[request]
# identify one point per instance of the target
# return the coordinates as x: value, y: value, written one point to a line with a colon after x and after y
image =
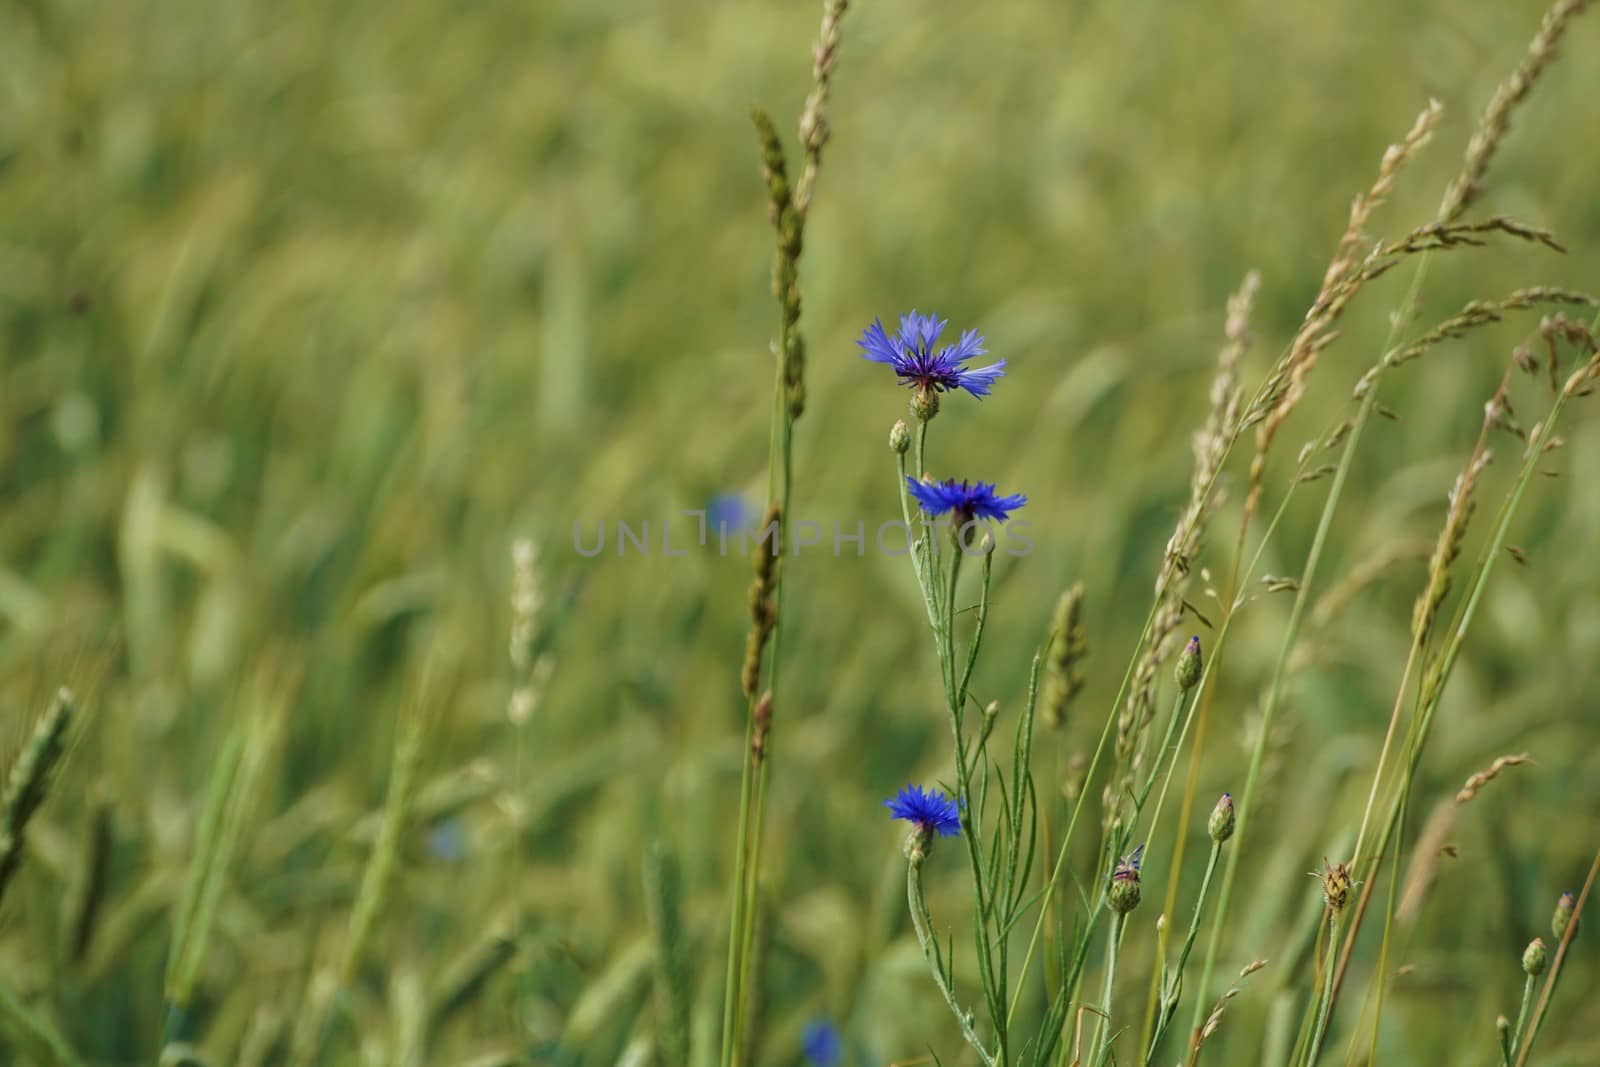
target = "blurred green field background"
x: 308, y: 311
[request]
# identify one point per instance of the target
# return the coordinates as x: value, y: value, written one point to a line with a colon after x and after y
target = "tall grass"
x: 306, y: 313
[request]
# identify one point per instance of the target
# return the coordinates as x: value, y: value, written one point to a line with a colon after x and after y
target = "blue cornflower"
x: 821, y: 1043
x: 914, y: 359
x: 968, y: 500
x: 729, y: 510
x: 926, y: 810
x: 447, y: 840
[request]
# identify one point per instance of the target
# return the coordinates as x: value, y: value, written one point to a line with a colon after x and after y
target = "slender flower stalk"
x: 1569, y: 929
x: 788, y: 210
x: 1172, y: 982
x: 1431, y: 687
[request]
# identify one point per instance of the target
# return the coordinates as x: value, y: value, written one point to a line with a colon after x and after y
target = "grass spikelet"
x: 529, y: 668
x: 763, y: 608
x: 1495, y: 122
x: 1346, y: 258
x: 814, y: 130
x: 1440, y: 235
x: 1069, y: 647
x: 384, y: 862
x: 1448, y: 547
x: 29, y: 780
x: 1432, y: 843
x: 790, y: 227
x: 1489, y: 774
x: 230, y: 800
x: 1343, y: 279
x: 1211, y: 446
x: 1481, y: 313
x: 1214, y: 1020
x: 1216, y: 436
x: 663, y: 893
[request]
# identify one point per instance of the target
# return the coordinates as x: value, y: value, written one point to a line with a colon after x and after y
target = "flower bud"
x: 1123, y: 895
x: 1220, y: 825
x: 1188, y: 668
x: 1563, y: 915
x: 1534, y: 957
x: 924, y: 404
x: 899, y: 437
x: 1336, y: 885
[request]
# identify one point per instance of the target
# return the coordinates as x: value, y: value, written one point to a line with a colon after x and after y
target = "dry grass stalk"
x: 1424, y: 870
x: 1363, y: 575
x: 1214, y: 1020
x: 1345, y: 276
x: 1211, y: 445
x: 1489, y: 774
x: 814, y: 129
x: 1495, y: 122
x: 1436, y: 235
x: 1448, y: 547
x: 1482, y: 313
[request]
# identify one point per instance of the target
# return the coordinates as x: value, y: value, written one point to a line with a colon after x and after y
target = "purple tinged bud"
x: 1123, y: 896
x: 1221, y: 822
x: 1563, y: 915
x: 1188, y: 668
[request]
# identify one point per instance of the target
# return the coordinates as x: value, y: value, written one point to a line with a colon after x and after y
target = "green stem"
x: 920, y: 921
x: 1522, y: 1017
x: 1077, y: 809
x: 1174, y: 986
x: 977, y: 630
x: 1335, y: 492
x: 747, y: 859
x: 1537, y: 1020
x: 1325, y: 999
x: 1431, y: 688
x: 1383, y: 953
x: 1104, y: 1026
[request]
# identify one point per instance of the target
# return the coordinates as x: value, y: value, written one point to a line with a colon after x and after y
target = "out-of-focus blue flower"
x: 926, y: 810
x: 917, y: 363
x: 447, y: 841
x: 729, y: 510
x: 821, y: 1043
x: 976, y: 500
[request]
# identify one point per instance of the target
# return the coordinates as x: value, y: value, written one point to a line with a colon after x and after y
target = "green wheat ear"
x: 29, y: 780
x: 663, y: 890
